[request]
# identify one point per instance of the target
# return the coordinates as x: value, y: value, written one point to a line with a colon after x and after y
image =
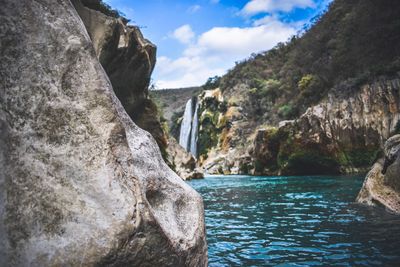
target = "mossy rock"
x: 307, y: 163
x: 362, y: 157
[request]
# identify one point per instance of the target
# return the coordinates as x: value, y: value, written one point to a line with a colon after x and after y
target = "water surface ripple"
x: 295, y: 221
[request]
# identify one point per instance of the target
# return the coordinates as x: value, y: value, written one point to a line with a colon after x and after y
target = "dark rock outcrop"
x: 80, y: 183
x: 128, y: 59
x: 382, y: 184
x: 343, y: 133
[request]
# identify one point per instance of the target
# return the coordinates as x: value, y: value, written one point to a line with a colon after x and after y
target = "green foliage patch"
x: 308, y: 163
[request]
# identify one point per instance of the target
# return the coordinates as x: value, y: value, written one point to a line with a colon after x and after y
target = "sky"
x: 198, y: 39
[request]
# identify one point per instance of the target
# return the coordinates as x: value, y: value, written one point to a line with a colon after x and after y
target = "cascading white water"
x: 190, y: 127
x: 186, y: 126
x: 195, y: 129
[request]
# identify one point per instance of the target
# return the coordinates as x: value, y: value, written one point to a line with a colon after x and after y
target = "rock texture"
x: 183, y: 162
x: 341, y: 134
x: 382, y: 184
x: 172, y: 103
x: 224, y: 135
x: 345, y: 131
x: 323, y: 102
x: 80, y: 183
x: 128, y: 59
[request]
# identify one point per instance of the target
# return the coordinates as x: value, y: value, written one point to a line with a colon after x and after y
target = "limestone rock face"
x: 382, y: 184
x: 80, y: 183
x: 183, y: 162
x: 128, y: 59
x: 344, y: 132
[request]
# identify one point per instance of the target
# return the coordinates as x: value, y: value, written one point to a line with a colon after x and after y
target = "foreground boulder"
x: 80, y: 183
x: 382, y: 184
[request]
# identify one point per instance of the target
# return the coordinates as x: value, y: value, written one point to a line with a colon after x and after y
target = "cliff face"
x: 80, y: 183
x: 324, y: 102
x: 172, y: 104
x: 183, y: 162
x: 342, y: 134
x: 382, y: 184
x: 128, y: 59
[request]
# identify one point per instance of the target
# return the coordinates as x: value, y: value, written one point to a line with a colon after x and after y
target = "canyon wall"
x: 80, y: 183
x: 323, y: 102
x: 344, y: 133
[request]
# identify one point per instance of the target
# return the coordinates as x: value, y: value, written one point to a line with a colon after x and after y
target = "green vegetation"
x: 212, y: 83
x: 362, y: 157
x: 285, y: 111
x: 211, y: 123
x: 104, y: 8
x: 209, y: 130
x: 354, y: 42
x: 306, y: 163
x: 292, y: 153
x: 176, y: 121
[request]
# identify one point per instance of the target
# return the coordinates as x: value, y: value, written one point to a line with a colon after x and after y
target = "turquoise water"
x: 295, y: 221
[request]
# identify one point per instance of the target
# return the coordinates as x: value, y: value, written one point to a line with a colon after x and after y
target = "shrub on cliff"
x: 104, y: 8
x: 355, y: 40
x: 212, y: 83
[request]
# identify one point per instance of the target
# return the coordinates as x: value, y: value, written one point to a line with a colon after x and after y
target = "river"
x: 295, y: 221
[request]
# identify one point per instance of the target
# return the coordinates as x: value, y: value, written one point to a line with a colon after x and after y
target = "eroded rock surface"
x: 344, y: 132
x: 341, y: 134
x: 382, y: 184
x: 80, y: 183
x: 183, y: 162
x: 128, y: 59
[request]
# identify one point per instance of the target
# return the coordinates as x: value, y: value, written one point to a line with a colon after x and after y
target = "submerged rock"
x: 80, y: 183
x: 382, y: 184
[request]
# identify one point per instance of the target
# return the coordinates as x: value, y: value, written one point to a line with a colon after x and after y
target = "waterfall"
x: 190, y: 127
x: 195, y: 129
x: 184, y: 137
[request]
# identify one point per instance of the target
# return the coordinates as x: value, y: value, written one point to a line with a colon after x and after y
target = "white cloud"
x: 270, y: 6
x: 184, y: 34
x: 216, y: 50
x: 194, y: 8
x: 186, y: 71
x: 243, y: 41
x: 264, y: 21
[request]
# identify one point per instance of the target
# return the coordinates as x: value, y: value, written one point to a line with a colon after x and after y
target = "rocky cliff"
x: 342, y: 134
x: 171, y: 103
x: 128, y: 59
x: 382, y: 184
x: 182, y: 161
x: 324, y: 102
x: 80, y: 183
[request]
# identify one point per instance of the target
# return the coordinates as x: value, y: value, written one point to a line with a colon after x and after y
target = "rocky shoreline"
x: 382, y: 184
